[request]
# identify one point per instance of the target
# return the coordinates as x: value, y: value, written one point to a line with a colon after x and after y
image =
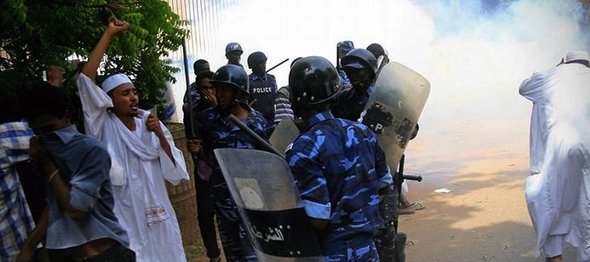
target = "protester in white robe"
x: 143, y: 155
x: 560, y: 108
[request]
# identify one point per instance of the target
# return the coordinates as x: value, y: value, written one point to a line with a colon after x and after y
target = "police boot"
x: 386, y: 243
x: 400, y: 245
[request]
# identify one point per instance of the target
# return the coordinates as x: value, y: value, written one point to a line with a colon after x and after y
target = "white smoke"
x: 474, y: 53
x: 462, y: 47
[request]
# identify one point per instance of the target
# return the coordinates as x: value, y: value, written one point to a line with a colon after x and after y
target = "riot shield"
x: 264, y: 191
x: 394, y: 108
x: 283, y: 135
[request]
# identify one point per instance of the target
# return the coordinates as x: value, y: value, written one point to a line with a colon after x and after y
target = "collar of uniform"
x: 255, y: 77
x: 226, y: 114
x: 319, y: 117
x: 66, y: 134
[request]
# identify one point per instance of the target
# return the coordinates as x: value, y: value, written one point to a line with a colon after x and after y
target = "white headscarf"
x: 114, y: 81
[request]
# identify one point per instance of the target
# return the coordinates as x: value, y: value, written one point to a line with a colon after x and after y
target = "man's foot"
x: 417, y: 206
x: 555, y: 259
x: 215, y: 259
x: 405, y: 210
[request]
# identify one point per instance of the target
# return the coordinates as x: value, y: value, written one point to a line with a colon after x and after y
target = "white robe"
x: 139, y: 167
x: 559, y: 139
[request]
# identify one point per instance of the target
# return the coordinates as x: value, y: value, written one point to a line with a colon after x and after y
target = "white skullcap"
x: 114, y: 81
x: 576, y: 55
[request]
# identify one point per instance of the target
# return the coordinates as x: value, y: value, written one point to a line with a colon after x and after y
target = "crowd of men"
x: 103, y: 182
x: 105, y: 194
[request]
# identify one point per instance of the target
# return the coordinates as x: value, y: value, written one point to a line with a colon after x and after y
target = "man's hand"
x: 211, y: 98
x: 117, y: 26
x: 114, y: 28
x: 194, y: 145
x: 25, y: 255
x: 37, y: 151
x: 153, y: 124
x: 40, y: 154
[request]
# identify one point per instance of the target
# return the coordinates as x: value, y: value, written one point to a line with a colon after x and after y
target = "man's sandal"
x: 417, y: 206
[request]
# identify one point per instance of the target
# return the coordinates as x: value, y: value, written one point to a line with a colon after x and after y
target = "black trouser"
x: 116, y: 253
x: 390, y: 243
x: 236, y: 244
x: 206, y: 215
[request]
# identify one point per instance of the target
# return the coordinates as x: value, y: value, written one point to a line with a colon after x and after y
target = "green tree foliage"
x: 38, y: 33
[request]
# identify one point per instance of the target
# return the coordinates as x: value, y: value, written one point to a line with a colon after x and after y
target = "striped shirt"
x: 16, y: 221
x: 283, y: 105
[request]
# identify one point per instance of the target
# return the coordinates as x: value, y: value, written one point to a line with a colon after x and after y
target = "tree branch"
x: 110, y: 5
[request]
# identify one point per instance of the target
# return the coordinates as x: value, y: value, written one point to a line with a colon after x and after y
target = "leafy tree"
x: 39, y: 33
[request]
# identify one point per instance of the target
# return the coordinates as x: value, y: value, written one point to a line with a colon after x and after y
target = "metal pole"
x: 192, y: 130
x: 282, y: 62
x: 265, y: 145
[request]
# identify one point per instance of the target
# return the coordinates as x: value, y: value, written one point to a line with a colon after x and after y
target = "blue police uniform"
x: 220, y: 133
x: 350, y: 105
x: 338, y: 168
x: 263, y: 93
x: 193, y: 91
x: 344, y: 78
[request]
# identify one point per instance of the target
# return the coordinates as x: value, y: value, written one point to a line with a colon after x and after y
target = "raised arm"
x: 114, y: 28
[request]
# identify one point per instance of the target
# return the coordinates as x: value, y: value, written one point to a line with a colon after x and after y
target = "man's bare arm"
x: 114, y: 28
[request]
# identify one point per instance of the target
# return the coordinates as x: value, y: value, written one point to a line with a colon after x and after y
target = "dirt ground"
x: 484, y: 216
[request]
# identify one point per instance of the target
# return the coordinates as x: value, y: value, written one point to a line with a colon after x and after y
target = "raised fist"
x: 118, y: 26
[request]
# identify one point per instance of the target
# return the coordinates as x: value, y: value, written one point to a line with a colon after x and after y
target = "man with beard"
x: 143, y: 156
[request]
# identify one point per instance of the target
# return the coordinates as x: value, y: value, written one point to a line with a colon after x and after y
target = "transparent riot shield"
x: 394, y: 108
x: 264, y: 191
x: 283, y: 135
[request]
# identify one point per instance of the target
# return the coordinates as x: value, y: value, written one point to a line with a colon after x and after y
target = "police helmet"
x: 345, y: 46
x: 360, y: 58
x: 377, y: 50
x: 232, y: 75
x: 313, y: 80
x: 233, y: 46
x: 256, y: 58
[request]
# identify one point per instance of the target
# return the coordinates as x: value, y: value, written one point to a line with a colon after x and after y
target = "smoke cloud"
x: 474, y: 53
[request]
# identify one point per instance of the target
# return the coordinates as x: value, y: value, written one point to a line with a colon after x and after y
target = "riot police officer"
x: 342, y: 48
x: 337, y: 164
x: 263, y: 86
x: 360, y: 66
x: 233, y: 53
x: 231, y: 90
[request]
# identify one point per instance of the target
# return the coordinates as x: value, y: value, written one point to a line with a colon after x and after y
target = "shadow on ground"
x: 483, y: 218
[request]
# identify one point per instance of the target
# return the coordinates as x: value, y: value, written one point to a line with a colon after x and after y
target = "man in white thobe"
x: 143, y: 155
x: 555, y: 189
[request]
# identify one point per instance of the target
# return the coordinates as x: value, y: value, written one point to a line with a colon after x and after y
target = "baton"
x: 277, y: 65
x: 266, y: 146
x: 188, y: 91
